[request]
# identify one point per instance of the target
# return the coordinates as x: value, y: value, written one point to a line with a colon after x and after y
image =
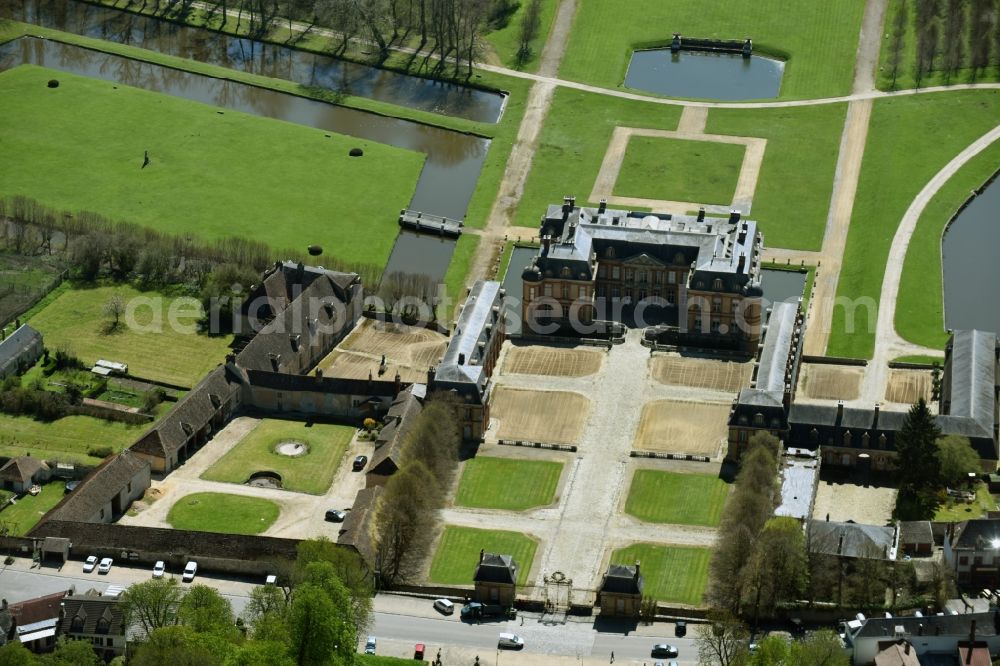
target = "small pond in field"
x: 780, y: 285
x: 704, y: 75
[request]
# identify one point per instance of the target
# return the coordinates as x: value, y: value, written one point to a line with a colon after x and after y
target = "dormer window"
x: 679, y: 259
x: 758, y: 419
x: 76, y: 625
x: 717, y: 285
x: 565, y: 272
x: 609, y: 253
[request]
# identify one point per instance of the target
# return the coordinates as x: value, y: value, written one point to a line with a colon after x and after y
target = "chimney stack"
x: 701, y: 214
x: 546, y: 241
x: 906, y: 647
x: 734, y: 216
x: 637, y: 569
x: 741, y: 263
x: 603, y: 206
x: 840, y: 410
x: 482, y: 554
x: 461, y: 359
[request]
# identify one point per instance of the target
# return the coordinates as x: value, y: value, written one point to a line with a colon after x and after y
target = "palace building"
x: 697, y: 278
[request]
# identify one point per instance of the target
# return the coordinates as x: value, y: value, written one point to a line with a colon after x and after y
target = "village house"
x: 20, y: 350
x: 495, y: 579
x: 19, y: 474
x: 848, y: 541
x: 107, y: 492
x: 916, y: 537
x: 97, y: 619
x: 700, y: 277
x: 934, y: 638
x: 972, y: 551
x: 34, y: 622
x: 397, y: 423
x: 620, y: 594
x: 467, y: 366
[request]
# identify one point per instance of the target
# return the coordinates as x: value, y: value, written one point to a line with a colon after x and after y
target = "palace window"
x: 548, y: 290
x: 565, y: 272
x: 602, y: 271
x: 716, y: 305
x: 610, y: 253
x: 717, y: 285
x: 671, y: 277
x: 615, y: 273
x: 628, y: 273
x: 531, y: 292
x: 758, y: 419
x: 565, y: 291
x: 679, y: 259
x: 670, y: 297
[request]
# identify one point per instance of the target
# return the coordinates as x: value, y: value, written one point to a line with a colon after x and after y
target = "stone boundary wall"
x: 538, y: 445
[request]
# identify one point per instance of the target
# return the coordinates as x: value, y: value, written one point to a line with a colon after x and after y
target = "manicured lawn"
x: 818, y: 38
x: 678, y: 170
x: 671, y: 573
x: 572, y: 146
x: 502, y: 483
x: 508, y: 251
x: 683, y: 499
x: 219, y: 512
x: 506, y: 41
x: 929, y: 360
x: 376, y: 660
x: 905, y: 77
x: 792, y: 198
x: 310, y: 473
x: 957, y: 511
x: 919, y: 305
x: 891, y: 177
x: 458, y: 553
x: 65, y: 440
x: 28, y: 510
x: 176, y: 355
x: 241, y: 175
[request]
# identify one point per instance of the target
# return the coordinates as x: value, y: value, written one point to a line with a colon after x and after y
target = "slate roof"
x: 357, y: 529
x: 931, y: 625
x: 399, y: 420
x: 798, y: 487
x: 771, y: 371
x: 852, y: 540
x: 37, y: 609
x: 622, y: 579
x: 15, y: 345
x: 282, y: 284
x: 976, y: 534
x: 461, y: 367
x: 97, y: 489
x: 972, y: 365
x: 99, y: 615
x: 21, y: 469
x: 376, y: 388
x: 914, y: 532
x: 494, y: 568
x: 831, y: 429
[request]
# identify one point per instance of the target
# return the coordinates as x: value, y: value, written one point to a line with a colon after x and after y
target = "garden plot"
x: 830, y: 382
x: 673, y: 426
x: 552, y: 362
x: 674, y: 370
x: 539, y: 416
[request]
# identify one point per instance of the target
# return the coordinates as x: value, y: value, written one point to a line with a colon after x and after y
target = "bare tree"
x: 954, y: 37
x: 115, y: 308
x: 723, y: 642
x: 530, y: 23
x: 898, y: 42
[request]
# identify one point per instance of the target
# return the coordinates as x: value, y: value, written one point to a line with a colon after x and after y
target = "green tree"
x: 72, y: 653
x: 15, y: 654
x: 181, y: 646
x: 820, y: 648
x: 957, y: 459
x: 917, y: 465
x: 774, y: 650
x: 266, y: 612
x: 898, y: 42
x: 315, y: 633
x: 152, y: 604
x: 206, y: 611
x: 723, y: 642
x: 255, y: 653
x: 349, y: 567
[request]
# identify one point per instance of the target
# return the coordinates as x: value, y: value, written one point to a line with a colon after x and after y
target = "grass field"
x: 906, y: 76
x: 219, y: 512
x: 890, y: 179
x: 792, y: 198
x: 65, y: 440
x: 504, y: 483
x: 819, y: 39
x: 216, y: 158
x: 458, y: 553
x: 75, y: 320
x: 671, y: 573
x: 920, y: 304
x: 680, y: 170
x: 28, y: 510
x: 682, y: 499
x: 573, y: 142
x: 929, y: 360
x: 956, y: 511
x: 310, y: 473
x: 506, y: 41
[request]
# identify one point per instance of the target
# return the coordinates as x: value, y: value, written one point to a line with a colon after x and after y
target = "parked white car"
x: 89, y: 564
x: 159, y: 569
x: 444, y: 606
x: 105, y: 565
x: 190, y: 570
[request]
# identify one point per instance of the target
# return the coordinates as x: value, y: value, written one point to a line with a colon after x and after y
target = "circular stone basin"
x: 265, y: 480
x: 356, y: 152
x: 53, y: 83
x: 291, y: 449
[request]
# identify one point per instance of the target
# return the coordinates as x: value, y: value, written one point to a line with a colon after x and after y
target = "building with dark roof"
x: 935, y: 638
x: 34, y: 622
x: 916, y: 537
x: 467, y: 366
x: 852, y: 540
x: 358, y: 529
x: 20, y: 473
x: 96, y: 619
x: 495, y: 579
x: 397, y: 423
x: 972, y: 551
x: 620, y: 594
x: 106, y: 493
x: 699, y: 276
x: 20, y: 350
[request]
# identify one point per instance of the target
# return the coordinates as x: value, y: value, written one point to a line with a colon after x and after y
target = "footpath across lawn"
x: 219, y: 512
x: 503, y: 483
x: 458, y: 553
x: 682, y: 499
x: 671, y: 573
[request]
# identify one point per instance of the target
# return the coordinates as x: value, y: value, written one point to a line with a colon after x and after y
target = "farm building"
x: 19, y: 351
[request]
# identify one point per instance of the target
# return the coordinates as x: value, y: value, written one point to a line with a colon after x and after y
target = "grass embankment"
x: 920, y: 303
x: 154, y: 349
x: 309, y: 473
x: 905, y: 78
x: 458, y: 269
x: 680, y: 170
x: 503, y: 483
x: 682, y: 499
x: 818, y: 39
x: 458, y: 553
x: 954, y: 511
x: 792, y: 198
x: 28, y: 510
x: 240, y: 174
x: 671, y: 573
x: 928, y: 360
x: 573, y: 142
x: 219, y: 512
x: 506, y: 41
x: 65, y: 440
x: 933, y: 129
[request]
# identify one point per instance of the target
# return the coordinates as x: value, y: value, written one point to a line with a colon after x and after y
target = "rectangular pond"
x: 971, y: 269
x: 704, y: 75
x: 781, y: 286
